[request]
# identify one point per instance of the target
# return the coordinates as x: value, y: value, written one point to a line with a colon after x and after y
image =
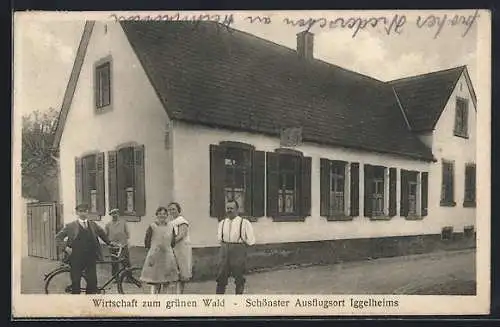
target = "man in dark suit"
x: 83, y: 248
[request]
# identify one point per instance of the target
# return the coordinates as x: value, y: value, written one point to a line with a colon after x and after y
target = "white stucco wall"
x: 461, y: 151
x: 192, y: 189
x: 137, y: 116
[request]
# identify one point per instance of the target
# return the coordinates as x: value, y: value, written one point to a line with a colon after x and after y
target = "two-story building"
x: 327, y: 163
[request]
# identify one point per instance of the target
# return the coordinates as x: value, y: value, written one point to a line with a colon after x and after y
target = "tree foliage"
x: 38, y: 165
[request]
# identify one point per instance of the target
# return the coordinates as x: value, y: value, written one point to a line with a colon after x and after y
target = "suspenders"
x: 241, y: 230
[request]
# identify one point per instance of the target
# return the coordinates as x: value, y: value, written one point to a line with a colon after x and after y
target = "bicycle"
x: 126, y: 276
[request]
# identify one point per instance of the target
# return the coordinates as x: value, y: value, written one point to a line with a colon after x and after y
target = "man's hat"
x: 114, y: 212
x: 82, y: 207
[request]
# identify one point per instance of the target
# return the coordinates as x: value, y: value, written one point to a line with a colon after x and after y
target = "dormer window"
x: 461, y: 118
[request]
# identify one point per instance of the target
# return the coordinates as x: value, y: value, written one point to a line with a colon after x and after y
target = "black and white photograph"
x: 240, y: 163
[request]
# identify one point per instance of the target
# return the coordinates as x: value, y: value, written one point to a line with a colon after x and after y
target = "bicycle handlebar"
x: 120, y: 250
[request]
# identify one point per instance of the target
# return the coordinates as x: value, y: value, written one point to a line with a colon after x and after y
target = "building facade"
x: 311, y: 152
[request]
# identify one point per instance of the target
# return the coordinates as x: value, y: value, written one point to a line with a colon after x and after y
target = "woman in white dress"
x: 182, y: 247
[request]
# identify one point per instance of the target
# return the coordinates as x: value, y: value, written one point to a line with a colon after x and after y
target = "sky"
x: 45, y: 45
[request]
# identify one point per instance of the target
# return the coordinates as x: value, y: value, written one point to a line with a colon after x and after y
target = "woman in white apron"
x: 160, y: 267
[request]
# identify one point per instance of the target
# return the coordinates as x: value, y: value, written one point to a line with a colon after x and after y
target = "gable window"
x: 447, y: 184
x: 127, y: 181
x: 236, y: 173
x: 288, y: 185
x: 89, y: 183
x: 102, y: 87
x: 470, y: 185
x: 461, y: 118
x: 374, y: 191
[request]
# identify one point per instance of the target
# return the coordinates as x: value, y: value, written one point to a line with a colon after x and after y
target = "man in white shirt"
x: 235, y: 234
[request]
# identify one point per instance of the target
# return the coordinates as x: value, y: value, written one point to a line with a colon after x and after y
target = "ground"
x: 444, y: 272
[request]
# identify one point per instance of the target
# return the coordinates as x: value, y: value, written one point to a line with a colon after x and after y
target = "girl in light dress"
x: 182, y: 248
x: 160, y: 266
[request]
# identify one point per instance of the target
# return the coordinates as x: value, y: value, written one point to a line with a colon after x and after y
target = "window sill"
x: 448, y: 204
x: 250, y: 218
x: 381, y: 217
x: 339, y: 217
x: 469, y: 204
x: 131, y: 218
x: 414, y: 217
x: 103, y: 110
x: 461, y: 135
x: 94, y: 216
x: 288, y: 218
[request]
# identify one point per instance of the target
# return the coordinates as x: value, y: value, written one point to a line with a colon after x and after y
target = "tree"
x: 38, y: 165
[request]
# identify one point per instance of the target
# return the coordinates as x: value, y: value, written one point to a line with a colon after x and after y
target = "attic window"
x: 102, y: 86
x: 461, y: 118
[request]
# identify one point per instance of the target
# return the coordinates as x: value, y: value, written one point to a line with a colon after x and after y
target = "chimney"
x: 305, y: 45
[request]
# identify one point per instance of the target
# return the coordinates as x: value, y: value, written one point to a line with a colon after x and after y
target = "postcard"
x: 244, y: 163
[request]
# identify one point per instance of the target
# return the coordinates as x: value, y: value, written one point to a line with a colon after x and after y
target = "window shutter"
x: 354, y: 189
x: 465, y: 118
x: 473, y: 182
x: 78, y: 181
x: 368, y: 190
x: 140, y: 183
x: 425, y: 193
x: 258, y: 171
x: 452, y: 182
x: 85, y: 182
x: 392, y: 191
x: 324, y: 187
x: 272, y: 183
x: 107, y: 84
x: 120, y: 182
x: 217, y: 173
x: 404, y: 193
x: 112, y: 180
x: 101, y: 204
x: 305, y: 191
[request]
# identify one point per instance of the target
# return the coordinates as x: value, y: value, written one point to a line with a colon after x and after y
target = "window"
x: 447, y: 184
x: 333, y: 189
x: 237, y: 185
x: 409, y: 193
x: 127, y: 181
x: 461, y: 117
x: 236, y: 172
x: 470, y: 186
x: 289, y: 173
x: 89, y: 183
x: 337, y: 177
x: 288, y: 185
x: 102, y: 87
x: 374, y: 190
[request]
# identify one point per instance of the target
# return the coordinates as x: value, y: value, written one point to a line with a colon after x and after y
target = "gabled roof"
x: 424, y: 97
x: 208, y: 74
x: 211, y: 75
x: 73, y: 81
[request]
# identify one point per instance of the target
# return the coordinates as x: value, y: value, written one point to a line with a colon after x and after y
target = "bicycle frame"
x: 65, y: 266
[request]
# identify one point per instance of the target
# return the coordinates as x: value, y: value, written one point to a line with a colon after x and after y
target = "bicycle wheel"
x: 130, y: 282
x: 60, y: 283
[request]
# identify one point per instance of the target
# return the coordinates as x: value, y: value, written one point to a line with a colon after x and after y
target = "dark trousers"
x: 232, y: 262
x: 87, y: 264
x: 115, y: 267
